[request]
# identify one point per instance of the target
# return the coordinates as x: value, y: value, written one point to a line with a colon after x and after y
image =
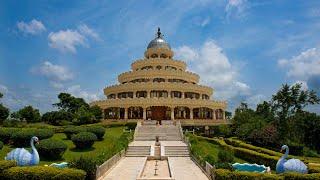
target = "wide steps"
x: 164, y: 132
x: 177, y: 151
x: 138, y: 151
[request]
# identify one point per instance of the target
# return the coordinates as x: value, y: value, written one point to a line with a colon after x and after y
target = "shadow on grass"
x: 82, y: 150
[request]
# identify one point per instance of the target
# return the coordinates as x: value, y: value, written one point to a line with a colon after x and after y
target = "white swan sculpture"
x: 293, y: 165
x: 24, y: 157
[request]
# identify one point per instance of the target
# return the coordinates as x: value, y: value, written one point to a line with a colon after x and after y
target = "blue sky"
x: 243, y: 49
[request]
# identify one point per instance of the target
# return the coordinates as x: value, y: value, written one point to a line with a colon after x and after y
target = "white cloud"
x: 303, y: 84
x: 78, y: 92
x: 56, y: 74
x: 186, y: 53
x: 214, y: 69
x: 85, y: 30
x: 3, y: 89
x: 256, y: 99
x: 33, y: 27
x: 304, y: 68
x: 56, y: 85
x: 66, y: 41
x: 236, y: 9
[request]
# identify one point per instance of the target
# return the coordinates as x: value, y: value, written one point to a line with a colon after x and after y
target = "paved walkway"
x: 183, y: 168
x: 127, y: 169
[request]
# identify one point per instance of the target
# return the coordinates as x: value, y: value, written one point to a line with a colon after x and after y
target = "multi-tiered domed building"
x: 159, y: 88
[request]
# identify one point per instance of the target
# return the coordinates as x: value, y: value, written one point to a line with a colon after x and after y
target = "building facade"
x: 159, y: 88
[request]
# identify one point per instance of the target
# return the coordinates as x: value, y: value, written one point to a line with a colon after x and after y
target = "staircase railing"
x: 180, y: 130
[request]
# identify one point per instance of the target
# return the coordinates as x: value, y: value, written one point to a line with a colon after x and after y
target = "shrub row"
x: 6, y: 165
x: 246, y: 154
x: 99, y: 131
x: 22, y: 138
x: 83, y: 140
x: 313, y: 168
x: 238, y: 143
x: 224, y: 174
x: 51, y: 149
x: 1, y: 145
x: 6, y: 133
x: 42, y: 173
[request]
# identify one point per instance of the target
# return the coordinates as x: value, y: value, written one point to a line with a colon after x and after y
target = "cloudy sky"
x: 243, y: 49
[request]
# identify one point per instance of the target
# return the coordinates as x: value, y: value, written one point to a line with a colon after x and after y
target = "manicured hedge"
x: 1, y: 145
x: 43, y: 173
x: 69, y: 131
x: 246, y: 154
x: 97, y: 130
x: 6, y: 133
x: 51, y: 149
x: 131, y: 125
x: 4, y: 164
x: 224, y: 174
x: 313, y: 168
x: 22, y: 138
x: 238, y: 143
x: 83, y: 140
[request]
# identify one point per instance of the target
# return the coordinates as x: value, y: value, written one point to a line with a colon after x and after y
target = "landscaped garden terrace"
x: 83, y: 147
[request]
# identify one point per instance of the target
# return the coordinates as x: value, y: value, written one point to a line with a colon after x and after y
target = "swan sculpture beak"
x: 281, y: 150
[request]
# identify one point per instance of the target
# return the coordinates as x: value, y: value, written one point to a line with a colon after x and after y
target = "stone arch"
x: 202, y: 113
x: 181, y: 112
x: 114, y: 113
x: 219, y: 113
x: 135, y: 112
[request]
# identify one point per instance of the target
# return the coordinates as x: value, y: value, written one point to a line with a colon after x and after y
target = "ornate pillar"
x: 144, y: 114
x: 134, y: 94
x: 148, y: 94
x: 182, y: 95
x: 125, y: 113
x: 214, y: 114
x: 224, y: 115
x: 103, y: 114
x: 191, y: 113
x: 172, y: 113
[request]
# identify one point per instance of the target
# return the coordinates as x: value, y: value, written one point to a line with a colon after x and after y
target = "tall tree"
x: 4, y: 112
x: 29, y: 114
x: 289, y: 100
x: 70, y: 103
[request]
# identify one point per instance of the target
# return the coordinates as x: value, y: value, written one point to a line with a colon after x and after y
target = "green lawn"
x: 99, y: 147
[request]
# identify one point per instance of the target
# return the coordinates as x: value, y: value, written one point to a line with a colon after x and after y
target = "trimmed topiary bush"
x: 99, y: 131
x: 22, y: 138
x: 51, y: 149
x: 88, y: 164
x: 43, y: 173
x: 131, y: 125
x: 6, y: 133
x: 83, y: 140
x: 71, y: 130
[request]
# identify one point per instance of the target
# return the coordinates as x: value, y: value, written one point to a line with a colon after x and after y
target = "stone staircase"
x: 138, y: 151
x: 176, y: 151
x: 165, y: 132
